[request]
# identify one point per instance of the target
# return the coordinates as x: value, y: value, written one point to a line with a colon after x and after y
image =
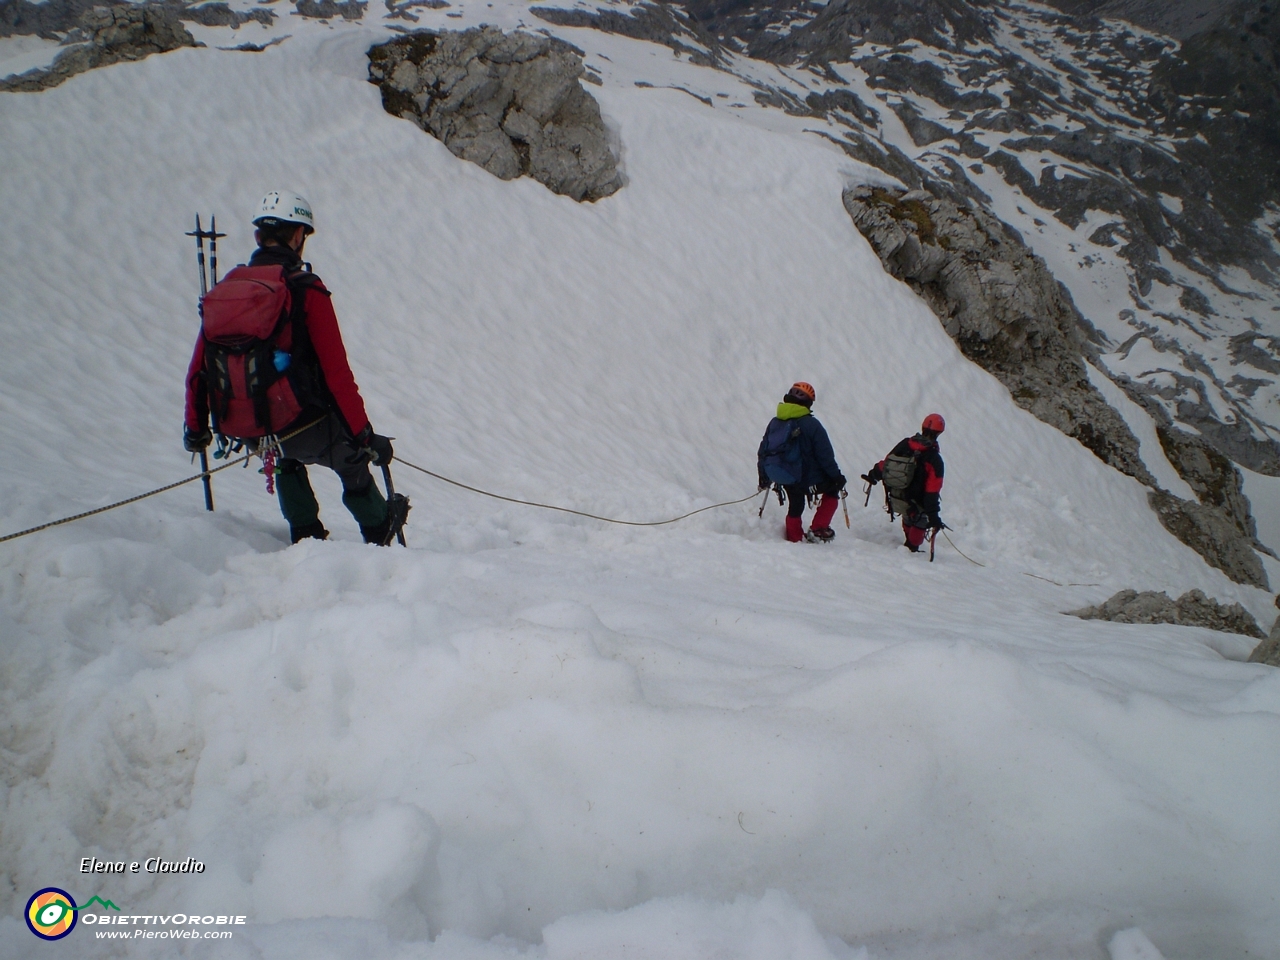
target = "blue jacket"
x: 816, y: 455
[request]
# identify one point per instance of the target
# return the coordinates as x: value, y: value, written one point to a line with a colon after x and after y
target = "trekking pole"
x: 391, y: 492
x: 213, y: 248
x: 844, y: 502
x: 204, y: 288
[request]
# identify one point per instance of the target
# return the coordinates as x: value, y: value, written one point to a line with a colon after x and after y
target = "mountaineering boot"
x: 385, y: 532
x: 314, y: 530
x: 823, y: 534
x: 822, y: 516
x: 795, y: 529
x: 914, y: 548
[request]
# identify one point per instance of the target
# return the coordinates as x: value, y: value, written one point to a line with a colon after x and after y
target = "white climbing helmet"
x: 280, y: 207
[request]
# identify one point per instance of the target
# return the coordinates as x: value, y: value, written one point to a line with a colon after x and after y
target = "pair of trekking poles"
x: 212, y: 236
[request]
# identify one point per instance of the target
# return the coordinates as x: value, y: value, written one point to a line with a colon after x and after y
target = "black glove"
x: 935, y: 522
x: 839, y: 482
x: 195, y: 442
x: 872, y: 476
x: 763, y: 482
x: 372, y: 448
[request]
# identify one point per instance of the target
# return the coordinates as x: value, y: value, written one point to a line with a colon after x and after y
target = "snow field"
x: 535, y: 735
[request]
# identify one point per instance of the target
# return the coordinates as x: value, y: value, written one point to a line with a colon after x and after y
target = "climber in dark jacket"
x: 819, y: 472
x: 919, y: 503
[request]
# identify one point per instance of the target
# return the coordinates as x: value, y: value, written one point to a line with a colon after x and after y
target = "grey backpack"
x: 897, y: 474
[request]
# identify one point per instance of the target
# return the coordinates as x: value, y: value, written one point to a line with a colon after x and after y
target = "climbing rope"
x: 578, y: 513
x: 412, y: 466
x: 962, y: 553
x: 150, y: 493
x: 121, y: 503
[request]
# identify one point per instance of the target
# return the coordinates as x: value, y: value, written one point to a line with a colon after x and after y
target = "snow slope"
x: 537, y: 735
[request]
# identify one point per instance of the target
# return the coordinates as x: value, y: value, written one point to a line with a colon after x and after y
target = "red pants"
x: 821, y: 517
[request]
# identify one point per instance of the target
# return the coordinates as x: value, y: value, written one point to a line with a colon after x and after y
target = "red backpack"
x: 258, y: 366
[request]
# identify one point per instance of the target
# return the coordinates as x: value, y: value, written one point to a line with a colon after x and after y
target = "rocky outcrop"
x: 49, y: 19
x: 511, y: 103
x: 109, y: 35
x: 1007, y: 313
x: 1212, y: 534
x: 1268, y: 651
x: 661, y: 23
x: 1214, y: 478
x: 329, y: 10
x: 1192, y: 609
x: 1002, y: 306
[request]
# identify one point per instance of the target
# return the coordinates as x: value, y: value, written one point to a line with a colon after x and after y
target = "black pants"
x: 796, y: 494
x: 327, y: 445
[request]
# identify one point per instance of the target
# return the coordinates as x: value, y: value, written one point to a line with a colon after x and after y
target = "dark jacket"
x: 818, y: 460
x: 338, y: 389
x: 926, y: 485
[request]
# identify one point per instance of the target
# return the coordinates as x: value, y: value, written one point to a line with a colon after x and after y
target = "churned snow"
x: 535, y: 735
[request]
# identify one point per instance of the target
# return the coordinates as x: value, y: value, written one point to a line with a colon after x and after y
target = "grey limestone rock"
x: 663, y: 23
x: 1268, y: 651
x: 1002, y: 306
x: 1192, y: 609
x: 48, y: 18
x: 329, y: 10
x: 511, y: 103
x: 1213, y: 534
x: 110, y: 35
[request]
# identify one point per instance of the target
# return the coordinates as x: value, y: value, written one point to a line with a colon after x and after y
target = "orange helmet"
x: 802, y: 389
x: 934, y: 423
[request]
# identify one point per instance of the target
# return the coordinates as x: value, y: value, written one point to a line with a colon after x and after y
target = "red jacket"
x: 342, y: 396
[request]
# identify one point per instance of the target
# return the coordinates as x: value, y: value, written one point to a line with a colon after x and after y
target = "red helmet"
x: 934, y: 423
x: 802, y: 389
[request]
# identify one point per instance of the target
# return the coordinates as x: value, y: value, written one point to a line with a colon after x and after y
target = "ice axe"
x: 391, y: 492
x: 844, y: 503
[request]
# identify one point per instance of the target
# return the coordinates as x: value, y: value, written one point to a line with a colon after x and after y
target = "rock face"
x: 1007, y: 313
x: 1268, y: 651
x: 511, y: 103
x: 1192, y: 609
x: 1003, y: 308
x: 329, y: 10
x: 110, y: 35
x: 658, y: 23
x: 48, y: 19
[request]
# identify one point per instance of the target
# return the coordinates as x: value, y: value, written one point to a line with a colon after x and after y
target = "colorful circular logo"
x: 51, y: 913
